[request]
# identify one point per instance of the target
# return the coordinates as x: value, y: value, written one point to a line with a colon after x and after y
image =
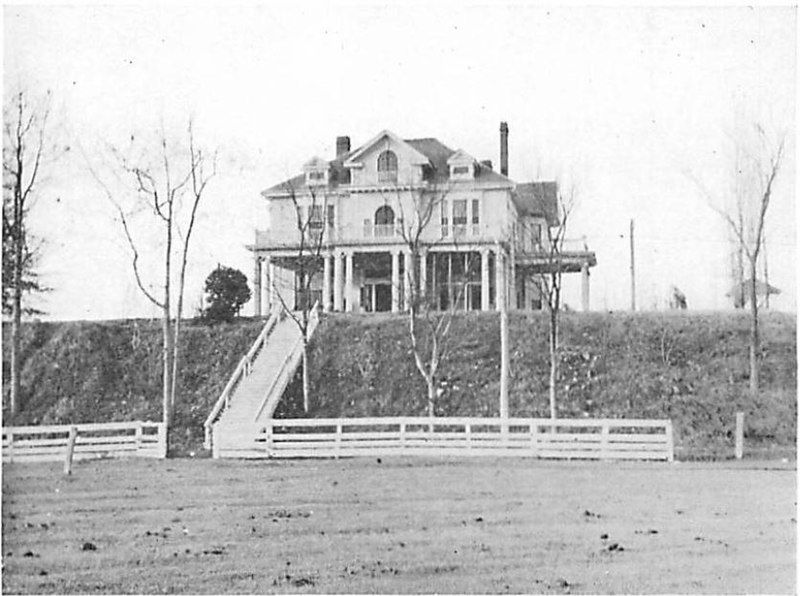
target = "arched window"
x: 384, y: 216
x: 387, y: 167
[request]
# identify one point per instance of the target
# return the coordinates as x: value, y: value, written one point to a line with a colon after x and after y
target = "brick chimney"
x: 504, y: 148
x: 342, y: 146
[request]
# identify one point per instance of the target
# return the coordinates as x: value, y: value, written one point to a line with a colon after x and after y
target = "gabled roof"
x: 352, y: 159
x: 461, y: 156
x: 315, y: 163
x: 538, y: 198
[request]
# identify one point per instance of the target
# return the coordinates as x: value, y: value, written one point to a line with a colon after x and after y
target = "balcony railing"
x: 369, y: 233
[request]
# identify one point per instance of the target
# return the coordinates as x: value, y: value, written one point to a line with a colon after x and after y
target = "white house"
x: 478, y: 234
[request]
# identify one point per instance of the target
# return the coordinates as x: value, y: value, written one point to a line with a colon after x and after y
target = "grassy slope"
x: 111, y: 371
x: 690, y: 368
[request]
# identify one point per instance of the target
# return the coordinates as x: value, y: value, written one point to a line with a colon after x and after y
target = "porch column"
x: 337, y: 281
x: 423, y: 274
x: 266, y: 295
x: 408, y: 283
x: 585, y: 287
x: 512, y: 279
x: 257, y: 287
x: 500, y: 278
x: 395, y: 280
x: 485, y: 279
x: 326, y: 283
x: 348, y: 283
x: 272, y: 286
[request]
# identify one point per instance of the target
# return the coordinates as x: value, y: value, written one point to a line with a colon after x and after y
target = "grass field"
x: 400, y: 525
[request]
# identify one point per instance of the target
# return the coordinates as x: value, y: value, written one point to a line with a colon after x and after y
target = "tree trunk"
x: 553, y: 361
x: 166, y: 354
x: 15, y: 345
x: 16, y: 321
x: 431, y: 383
x: 754, y: 340
x: 305, y: 378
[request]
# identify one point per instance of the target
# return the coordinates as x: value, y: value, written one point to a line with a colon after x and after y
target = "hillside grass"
x: 110, y: 371
x: 691, y: 368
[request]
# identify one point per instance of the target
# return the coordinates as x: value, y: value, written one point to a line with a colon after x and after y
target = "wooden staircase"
x: 256, y: 386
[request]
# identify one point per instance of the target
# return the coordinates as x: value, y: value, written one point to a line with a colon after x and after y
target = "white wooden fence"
x: 113, y: 439
x: 522, y: 437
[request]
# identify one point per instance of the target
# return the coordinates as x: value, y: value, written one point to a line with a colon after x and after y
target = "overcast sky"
x: 618, y: 102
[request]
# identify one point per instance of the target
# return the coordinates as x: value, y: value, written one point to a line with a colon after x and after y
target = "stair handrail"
x: 242, y: 369
x: 313, y: 321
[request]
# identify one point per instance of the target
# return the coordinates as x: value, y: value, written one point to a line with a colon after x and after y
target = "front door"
x: 383, y: 297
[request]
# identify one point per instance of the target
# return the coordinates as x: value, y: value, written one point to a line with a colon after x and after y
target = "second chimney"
x: 504, y: 148
x: 342, y: 146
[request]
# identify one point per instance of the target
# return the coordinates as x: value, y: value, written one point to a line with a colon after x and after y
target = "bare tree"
x: 24, y: 149
x: 428, y: 325
x: 160, y: 187
x: 548, y: 281
x: 312, y: 223
x: 757, y: 163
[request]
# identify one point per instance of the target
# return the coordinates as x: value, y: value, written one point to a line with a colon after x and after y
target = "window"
x: 384, y: 216
x: 331, y: 214
x: 536, y: 235
x: 387, y: 167
x: 444, y: 219
x: 315, y: 217
x: 460, y: 212
x: 476, y: 217
x: 316, y: 175
x: 461, y: 170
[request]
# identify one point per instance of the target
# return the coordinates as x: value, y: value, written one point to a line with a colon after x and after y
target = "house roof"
x: 535, y: 198
x: 538, y: 198
x: 743, y: 288
x: 350, y: 161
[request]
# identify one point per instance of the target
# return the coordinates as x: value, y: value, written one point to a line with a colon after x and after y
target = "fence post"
x: 402, y: 436
x: 468, y: 433
x: 73, y: 436
x: 534, y: 439
x: 138, y: 436
x: 739, y: 435
x: 338, y: 440
x: 162, y: 440
x: 269, y: 439
x: 10, y: 445
x: 604, y: 436
x: 670, y: 442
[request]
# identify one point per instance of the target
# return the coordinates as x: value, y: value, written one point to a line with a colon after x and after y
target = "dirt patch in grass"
x: 653, y: 528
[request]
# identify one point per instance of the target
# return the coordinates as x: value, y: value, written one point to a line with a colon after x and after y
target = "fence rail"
x: 100, y: 440
x: 523, y: 437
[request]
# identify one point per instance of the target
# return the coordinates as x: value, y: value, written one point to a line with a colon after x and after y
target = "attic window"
x: 316, y: 175
x: 461, y: 171
x: 387, y: 167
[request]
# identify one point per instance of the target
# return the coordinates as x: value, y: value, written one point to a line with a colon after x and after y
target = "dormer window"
x: 462, y: 165
x: 387, y: 167
x: 316, y: 171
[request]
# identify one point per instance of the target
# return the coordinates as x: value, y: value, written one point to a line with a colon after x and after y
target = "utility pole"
x: 633, y: 274
x: 502, y: 298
